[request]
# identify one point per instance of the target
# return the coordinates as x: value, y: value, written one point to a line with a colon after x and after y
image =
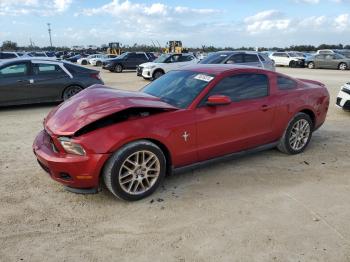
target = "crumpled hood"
x: 95, y: 103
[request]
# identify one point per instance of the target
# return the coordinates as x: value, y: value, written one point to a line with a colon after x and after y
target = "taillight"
x: 96, y: 76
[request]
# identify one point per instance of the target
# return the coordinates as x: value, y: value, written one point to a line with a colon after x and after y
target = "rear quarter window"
x: 284, y: 83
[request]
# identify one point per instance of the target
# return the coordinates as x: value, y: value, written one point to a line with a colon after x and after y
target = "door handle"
x: 265, y: 107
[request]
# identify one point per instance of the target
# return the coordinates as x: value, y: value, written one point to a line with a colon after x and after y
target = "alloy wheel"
x: 139, y: 172
x: 299, y: 134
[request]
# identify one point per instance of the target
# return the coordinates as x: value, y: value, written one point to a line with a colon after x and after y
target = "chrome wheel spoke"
x: 299, y: 134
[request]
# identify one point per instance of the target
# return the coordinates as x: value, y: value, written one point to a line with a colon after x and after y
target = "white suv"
x: 343, y: 98
x: 290, y: 59
x: 164, y: 64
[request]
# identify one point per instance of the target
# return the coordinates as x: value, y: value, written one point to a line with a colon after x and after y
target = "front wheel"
x: 343, y: 66
x: 84, y: 62
x: 292, y: 64
x: 135, y: 171
x: 118, y: 69
x: 71, y: 91
x: 157, y: 74
x: 297, y: 135
x: 311, y: 65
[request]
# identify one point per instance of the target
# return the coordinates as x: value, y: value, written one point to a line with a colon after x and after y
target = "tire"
x: 157, y: 74
x: 71, y: 91
x: 343, y: 66
x: 118, y: 68
x: 139, y: 180
x: 84, y: 62
x: 292, y: 64
x: 290, y: 145
x: 98, y: 63
x: 311, y: 65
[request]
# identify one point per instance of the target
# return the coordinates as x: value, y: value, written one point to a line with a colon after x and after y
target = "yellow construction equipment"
x: 175, y: 47
x: 114, y: 48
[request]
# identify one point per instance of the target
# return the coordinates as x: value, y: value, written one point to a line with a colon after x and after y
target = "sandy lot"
x: 263, y: 207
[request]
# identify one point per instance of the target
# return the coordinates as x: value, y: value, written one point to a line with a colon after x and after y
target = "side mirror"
x: 218, y: 100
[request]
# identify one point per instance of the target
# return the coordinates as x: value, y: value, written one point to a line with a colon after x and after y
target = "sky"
x: 234, y: 23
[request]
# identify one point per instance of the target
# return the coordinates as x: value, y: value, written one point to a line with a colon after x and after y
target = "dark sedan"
x: 29, y: 81
x: 128, y: 60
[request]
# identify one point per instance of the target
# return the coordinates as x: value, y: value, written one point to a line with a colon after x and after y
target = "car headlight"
x: 70, y: 147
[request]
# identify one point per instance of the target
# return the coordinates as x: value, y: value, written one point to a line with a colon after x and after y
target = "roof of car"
x: 217, y: 69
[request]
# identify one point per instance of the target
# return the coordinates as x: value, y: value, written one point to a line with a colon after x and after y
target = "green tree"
x: 9, y: 46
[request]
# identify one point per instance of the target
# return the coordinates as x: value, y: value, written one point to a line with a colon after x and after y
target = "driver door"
x: 244, y: 123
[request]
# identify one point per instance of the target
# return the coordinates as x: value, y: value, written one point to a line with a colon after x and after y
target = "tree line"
x: 13, y: 46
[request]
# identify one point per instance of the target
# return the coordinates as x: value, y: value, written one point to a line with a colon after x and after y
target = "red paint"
x: 213, y: 130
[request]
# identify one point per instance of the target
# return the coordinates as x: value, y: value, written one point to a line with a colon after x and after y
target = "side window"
x: 285, y: 83
x: 186, y: 58
x: 235, y: 59
x: 242, y: 87
x: 250, y: 58
x: 262, y: 58
x: 8, y: 56
x: 131, y: 56
x: 175, y: 58
x: 46, y: 69
x: 141, y: 56
x: 14, y: 70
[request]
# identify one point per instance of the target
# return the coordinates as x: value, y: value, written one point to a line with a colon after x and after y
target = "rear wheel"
x: 311, y: 65
x: 84, y: 62
x: 297, y: 135
x: 135, y: 171
x: 118, y: 68
x: 71, y: 91
x: 343, y: 66
x: 292, y: 64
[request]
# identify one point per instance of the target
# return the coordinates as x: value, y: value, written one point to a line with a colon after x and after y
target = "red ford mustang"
x: 186, y: 118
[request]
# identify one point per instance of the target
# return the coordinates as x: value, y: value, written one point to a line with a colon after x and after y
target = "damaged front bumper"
x: 74, y: 171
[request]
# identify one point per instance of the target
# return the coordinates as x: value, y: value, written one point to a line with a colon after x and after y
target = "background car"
x: 27, y: 81
x: 187, y: 117
x: 97, y: 61
x: 164, y: 64
x: 127, y: 60
x: 10, y: 55
x: 247, y: 58
x: 85, y: 60
x: 330, y: 61
x: 343, y: 98
x: 291, y: 59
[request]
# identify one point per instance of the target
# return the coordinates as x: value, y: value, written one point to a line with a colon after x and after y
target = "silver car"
x: 247, y: 58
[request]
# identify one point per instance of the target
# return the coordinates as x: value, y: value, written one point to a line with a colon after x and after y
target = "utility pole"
x: 49, y: 29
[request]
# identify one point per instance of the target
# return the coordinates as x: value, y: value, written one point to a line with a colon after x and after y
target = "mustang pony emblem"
x: 185, y: 136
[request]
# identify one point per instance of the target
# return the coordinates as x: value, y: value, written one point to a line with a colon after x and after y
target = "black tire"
x: 311, y: 65
x: 292, y: 64
x: 98, y: 63
x: 71, y: 91
x: 118, y: 68
x: 343, y: 66
x: 285, y: 142
x: 84, y: 62
x: 115, y: 164
x: 157, y: 74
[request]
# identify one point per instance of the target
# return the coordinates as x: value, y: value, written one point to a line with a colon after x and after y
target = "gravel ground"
x: 263, y: 207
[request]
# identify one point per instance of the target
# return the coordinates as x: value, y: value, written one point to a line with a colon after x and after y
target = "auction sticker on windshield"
x: 205, y: 78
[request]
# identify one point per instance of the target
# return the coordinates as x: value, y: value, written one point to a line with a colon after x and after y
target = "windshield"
x: 178, y: 88
x: 162, y: 58
x: 214, y: 59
